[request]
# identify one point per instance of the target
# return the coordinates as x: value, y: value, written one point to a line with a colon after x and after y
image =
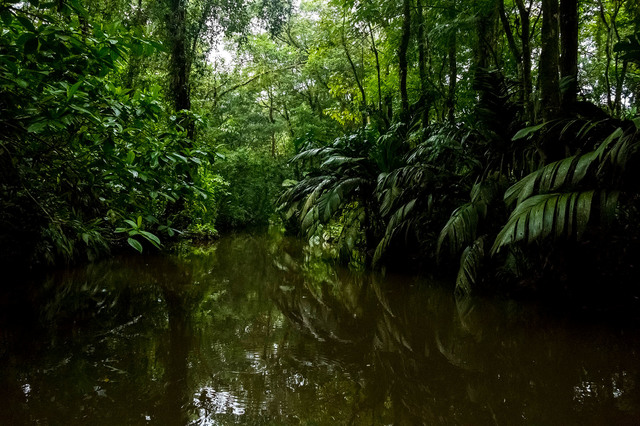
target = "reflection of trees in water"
x: 435, y: 360
x: 106, y: 344
x: 196, y: 338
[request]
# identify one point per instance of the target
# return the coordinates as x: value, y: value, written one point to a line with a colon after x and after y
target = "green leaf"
x: 135, y: 244
x: 6, y: 17
x: 71, y: 90
x: 555, y: 214
x: 522, y: 133
x: 37, y: 127
x: 26, y: 23
x: 470, y: 263
x: 462, y: 226
x: 152, y: 238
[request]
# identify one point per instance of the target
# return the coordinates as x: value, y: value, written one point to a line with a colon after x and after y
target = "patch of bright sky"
x: 224, y: 53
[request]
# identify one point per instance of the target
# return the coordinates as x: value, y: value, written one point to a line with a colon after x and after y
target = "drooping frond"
x: 470, y: 263
x: 615, y: 152
x: 462, y: 227
x: 397, y: 223
x: 563, y: 174
x: 555, y: 214
x: 293, y: 197
x: 326, y: 201
x: 312, y: 153
x: 559, y: 199
x: 393, y: 187
x: 336, y: 161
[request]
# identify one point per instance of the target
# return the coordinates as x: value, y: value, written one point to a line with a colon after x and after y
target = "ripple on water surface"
x: 245, y: 332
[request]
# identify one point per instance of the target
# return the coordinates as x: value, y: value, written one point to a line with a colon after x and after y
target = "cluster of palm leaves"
x: 339, y: 185
x: 378, y: 191
x: 566, y: 200
x: 391, y: 195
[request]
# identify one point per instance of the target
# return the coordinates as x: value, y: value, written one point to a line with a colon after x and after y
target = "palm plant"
x: 339, y: 185
x: 412, y: 195
x: 564, y: 198
x: 561, y: 200
x: 467, y: 230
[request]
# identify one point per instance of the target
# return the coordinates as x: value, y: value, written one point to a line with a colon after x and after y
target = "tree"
x: 569, y: 53
x: 549, y: 57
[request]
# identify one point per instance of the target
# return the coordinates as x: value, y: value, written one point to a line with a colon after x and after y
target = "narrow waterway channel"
x: 255, y: 330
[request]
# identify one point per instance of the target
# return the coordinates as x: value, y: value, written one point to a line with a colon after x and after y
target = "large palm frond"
x: 462, y: 227
x: 339, y: 181
x: 470, y: 263
x: 561, y: 199
x: 557, y: 215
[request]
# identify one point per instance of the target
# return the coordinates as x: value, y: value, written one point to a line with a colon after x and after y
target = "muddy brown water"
x: 255, y: 330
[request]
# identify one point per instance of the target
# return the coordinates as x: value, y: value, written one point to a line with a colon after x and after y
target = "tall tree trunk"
x: 486, y: 46
x: 402, y: 57
x: 620, y: 76
x: 374, y: 49
x: 453, y: 66
x: 287, y: 117
x: 363, y: 93
x: 133, y: 68
x: 422, y: 66
x: 549, y: 58
x: 272, y: 120
x: 527, y: 85
x: 569, y: 53
x: 610, y: 26
x: 506, y: 26
x: 179, y: 62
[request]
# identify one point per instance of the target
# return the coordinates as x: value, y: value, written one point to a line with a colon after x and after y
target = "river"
x: 258, y: 330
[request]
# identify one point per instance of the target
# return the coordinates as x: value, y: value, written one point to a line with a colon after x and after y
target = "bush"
x: 254, y: 183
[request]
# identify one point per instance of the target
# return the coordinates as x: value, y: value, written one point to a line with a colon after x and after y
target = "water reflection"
x: 250, y: 331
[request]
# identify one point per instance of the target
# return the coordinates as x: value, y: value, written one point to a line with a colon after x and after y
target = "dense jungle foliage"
x: 496, y: 138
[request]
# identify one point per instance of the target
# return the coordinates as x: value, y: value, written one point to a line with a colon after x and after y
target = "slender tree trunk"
x: 422, y: 66
x: 133, y: 68
x: 374, y: 49
x: 527, y: 86
x: 486, y: 46
x: 453, y: 67
x: 549, y: 58
x: 272, y: 120
x: 506, y: 26
x: 179, y: 62
x: 287, y: 117
x: 569, y: 54
x: 620, y: 82
x: 402, y: 57
x: 609, y: 26
x: 355, y: 75
x: 179, y: 67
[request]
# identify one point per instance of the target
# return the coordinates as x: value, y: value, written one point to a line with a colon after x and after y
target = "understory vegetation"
x: 496, y: 138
